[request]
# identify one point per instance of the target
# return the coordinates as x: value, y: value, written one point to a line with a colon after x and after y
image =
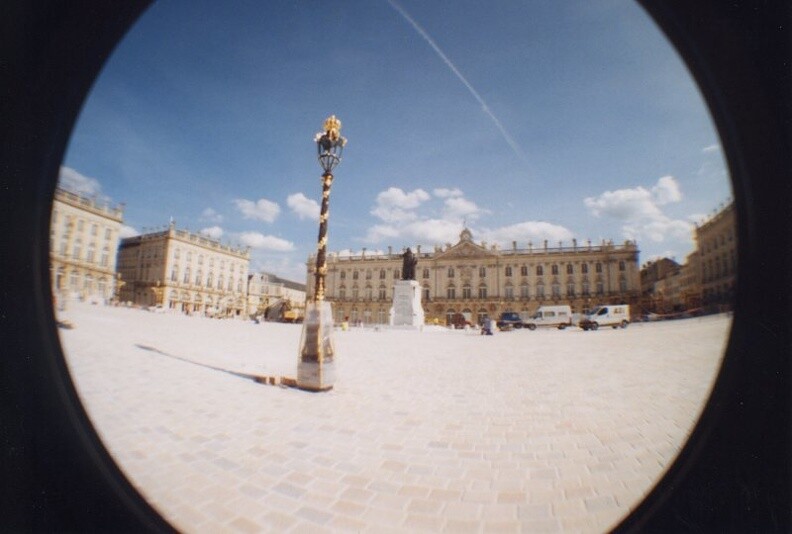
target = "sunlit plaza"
x: 438, y: 430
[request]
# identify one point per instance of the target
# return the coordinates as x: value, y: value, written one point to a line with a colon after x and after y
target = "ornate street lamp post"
x: 315, y: 369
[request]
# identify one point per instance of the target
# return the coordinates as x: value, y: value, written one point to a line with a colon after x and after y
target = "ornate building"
x: 480, y: 281
x: 717, y: 248
x: 183, y: 271
x: 83, y: 243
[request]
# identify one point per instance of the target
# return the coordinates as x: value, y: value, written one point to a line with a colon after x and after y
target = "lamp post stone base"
x: 316, y: 366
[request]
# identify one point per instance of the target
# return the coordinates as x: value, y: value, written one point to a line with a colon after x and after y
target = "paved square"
x: 440, y: 430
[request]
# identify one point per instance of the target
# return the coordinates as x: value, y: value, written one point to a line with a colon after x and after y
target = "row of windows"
x: 508, y: 271
x: 208, y: 282
x: 718, y: 267
x: 77, y: 252
x: 482, y: 293
x: 80, y: 225
x: 721, y: 240
x: 86, y: 282
x: 200, y: 260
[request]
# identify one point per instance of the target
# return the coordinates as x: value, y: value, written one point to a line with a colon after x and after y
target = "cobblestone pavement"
x: 543, y: 431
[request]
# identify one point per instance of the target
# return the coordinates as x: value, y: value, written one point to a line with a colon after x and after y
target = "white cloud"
x: 627, y: 204
x: 444, y: 192
x: 379, y: 231
x: 303, y: 207
x: 458, y: 207
x: 261, y: 210
x: 215, y: 232
x: 211, y: 215
x: 638, y: 209
x: 127, y: 231
x: 432, y: 231
x: 393, y: 204
x: 78, y: 183
x: 666, y: 191
x: 258, y: 240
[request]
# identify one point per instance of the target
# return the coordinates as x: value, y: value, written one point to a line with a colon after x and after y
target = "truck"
x: 557, y: 316
x: 613, y: 315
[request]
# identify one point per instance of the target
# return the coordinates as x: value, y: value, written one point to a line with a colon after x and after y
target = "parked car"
x: 555, y: 316
x: 509, y: 320
x: 459, y: 321
x: 613, y: 315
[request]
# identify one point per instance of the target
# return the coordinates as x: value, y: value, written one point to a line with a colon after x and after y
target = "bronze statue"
x: 409, y: 261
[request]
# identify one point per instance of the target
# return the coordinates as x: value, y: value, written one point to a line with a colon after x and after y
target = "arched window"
x: 584, y: 268
x: 425, y: 293
x: 622, y: 266
x: 539, y: 270
x: 556, y: 288
x: 570, y: 288
x: 483, y: 272
x: 524, y: 270
x: 525, y: 291
x: 600, y: 288
x: 368, y: 274
x: 623, y: 284
x: 451, y: 292
x: 585, y: 288
x: 382, y: 274
x: 343, y: 275
x: 466, y: 292
x: 508, y: 271
x: 89, y: 257
x: 355, y: 275
x: 77, y: 250
x: 540, y: 290
x: 174, y: 273
x: 482, y: 291
x: 570, y: 268
x: 210, y: 280
x: 198, y: 277
x: 186, y: 278
x: 554, y: 268
x: 396, y: 274
x: 382, y: 293
x: 598, y: 267
x: 451, y: 272
x: 426, y: 273
x: 220, y: 282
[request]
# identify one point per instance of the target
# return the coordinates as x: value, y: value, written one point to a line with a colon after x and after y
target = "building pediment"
x: 465, y: 249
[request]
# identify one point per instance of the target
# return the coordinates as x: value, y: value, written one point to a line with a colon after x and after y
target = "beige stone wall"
x: 84, y: 236
x: 185, y: 272
x: 717, y: 248
x: 479, y: 280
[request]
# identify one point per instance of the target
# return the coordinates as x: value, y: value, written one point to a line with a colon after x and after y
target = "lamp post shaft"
x: 321, y: 248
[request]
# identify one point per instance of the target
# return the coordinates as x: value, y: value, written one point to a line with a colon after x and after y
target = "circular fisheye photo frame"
x: 733, y: 473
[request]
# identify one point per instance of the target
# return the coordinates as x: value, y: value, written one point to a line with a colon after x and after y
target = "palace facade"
x: 480, y: 281
x: 717, y: 248
x: 183, y: 271
x: 84, y: 237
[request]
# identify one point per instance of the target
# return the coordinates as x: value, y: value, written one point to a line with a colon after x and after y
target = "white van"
x: 615, y: 315
x: 558, y: 316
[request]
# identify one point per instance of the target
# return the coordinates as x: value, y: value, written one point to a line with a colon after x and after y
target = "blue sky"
x: 527, y: 120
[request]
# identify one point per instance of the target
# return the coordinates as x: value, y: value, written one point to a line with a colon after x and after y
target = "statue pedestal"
x: 407, y: 309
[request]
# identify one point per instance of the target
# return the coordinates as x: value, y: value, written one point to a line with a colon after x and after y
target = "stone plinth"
x: 407, y: 309
x: 316, y: 366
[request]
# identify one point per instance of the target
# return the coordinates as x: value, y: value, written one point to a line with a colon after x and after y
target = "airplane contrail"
x: 484, y: 107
